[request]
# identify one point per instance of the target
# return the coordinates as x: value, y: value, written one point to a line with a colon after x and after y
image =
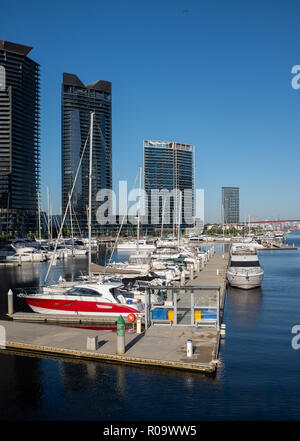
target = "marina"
x: 158, y: 345
x: 255, y: 337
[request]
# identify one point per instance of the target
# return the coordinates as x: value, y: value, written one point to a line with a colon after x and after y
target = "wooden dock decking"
x: 163, y: 346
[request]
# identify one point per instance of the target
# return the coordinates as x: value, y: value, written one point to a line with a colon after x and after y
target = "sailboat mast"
x: 162, y: 219
x: 39, y: 216
x: 179, y: 216
x: 90, y: 191
x: 48, y: 223
x: 139, y: 209
x: 71, y: 225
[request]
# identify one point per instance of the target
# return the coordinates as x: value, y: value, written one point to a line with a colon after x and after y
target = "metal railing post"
x: 218, y: 310
x: 175, y: 307
x: 192, y: 308
x: 146, y: 308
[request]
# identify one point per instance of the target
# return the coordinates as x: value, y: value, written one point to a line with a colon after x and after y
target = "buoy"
x: 131, y: 318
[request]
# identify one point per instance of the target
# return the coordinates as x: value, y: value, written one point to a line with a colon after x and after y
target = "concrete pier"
x: 213, y: 274
x: 160, y: 346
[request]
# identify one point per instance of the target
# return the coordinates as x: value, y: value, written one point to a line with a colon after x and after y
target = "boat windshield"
x: 76, y: 291
x: 245, y: 264
x: 79, y: 242
x: 138, y: 260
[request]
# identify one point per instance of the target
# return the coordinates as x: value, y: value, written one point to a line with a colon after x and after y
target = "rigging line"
x: 101, y: 133
x: 76, y: 220
x: 66, y: 210
x: 118, y: 234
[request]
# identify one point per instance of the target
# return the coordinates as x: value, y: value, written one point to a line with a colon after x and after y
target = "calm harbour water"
x: 258, y: 377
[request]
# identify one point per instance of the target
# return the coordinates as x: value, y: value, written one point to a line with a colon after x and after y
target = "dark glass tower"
x: 19, y: 139
x: 78, y: 101
x: 230, y: 205
x: 169, y: 166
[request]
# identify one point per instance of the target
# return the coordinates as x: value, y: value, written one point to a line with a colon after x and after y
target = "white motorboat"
x: 28, y: 254
x: 132, y: 245
x: 165, y: 253
x: 138, y: 262
x: 90, y: 298
x: 244, y: 270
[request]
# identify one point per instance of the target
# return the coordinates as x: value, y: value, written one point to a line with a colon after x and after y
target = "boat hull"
x: 69, y: 306
x: 245, y: 281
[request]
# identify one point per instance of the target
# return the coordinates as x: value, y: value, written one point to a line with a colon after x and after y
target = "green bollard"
x: 120, y: 335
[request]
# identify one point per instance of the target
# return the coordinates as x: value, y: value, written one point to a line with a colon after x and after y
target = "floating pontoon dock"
x: 163, y: 343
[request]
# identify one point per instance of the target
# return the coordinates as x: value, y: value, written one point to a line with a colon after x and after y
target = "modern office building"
x: 19, y: 139
x: 169, y: 169
x: 230, y: 205
x: 78, y: 101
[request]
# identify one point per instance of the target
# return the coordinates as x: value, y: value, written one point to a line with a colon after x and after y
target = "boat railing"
x: 27, y: 290
x: 243, y: 252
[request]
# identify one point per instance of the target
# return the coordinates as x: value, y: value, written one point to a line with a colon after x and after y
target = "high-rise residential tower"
x: 78, y: 101
x: 169, y: 168
x: 230, y: 205
x: 19, y: 139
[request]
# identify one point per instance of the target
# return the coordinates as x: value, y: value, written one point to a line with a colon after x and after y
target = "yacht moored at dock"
x: 244, y: 270
x: 100, y: 299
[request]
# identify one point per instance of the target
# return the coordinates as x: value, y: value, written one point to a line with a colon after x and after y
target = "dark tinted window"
x: 82, y: 292
x: 245, y: 264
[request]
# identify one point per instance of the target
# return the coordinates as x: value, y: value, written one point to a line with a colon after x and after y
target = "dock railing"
x: 184, y: 306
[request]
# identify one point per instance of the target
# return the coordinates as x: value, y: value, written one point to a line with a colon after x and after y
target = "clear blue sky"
x: 214, y: 74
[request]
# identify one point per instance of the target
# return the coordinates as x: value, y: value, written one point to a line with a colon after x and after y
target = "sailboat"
x: 82, y: 298
x: 138, y: 244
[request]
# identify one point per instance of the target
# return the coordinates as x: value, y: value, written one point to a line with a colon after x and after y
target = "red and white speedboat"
x: 85, y: 298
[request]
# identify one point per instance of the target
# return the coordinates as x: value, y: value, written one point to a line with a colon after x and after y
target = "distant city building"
x: 230, y: 205
x: 78, y: 101
x: 169, y: 166
x: 19, y: 139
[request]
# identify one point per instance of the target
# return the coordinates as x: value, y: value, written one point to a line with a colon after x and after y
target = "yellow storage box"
x: 171, y: 315
x: 197, y: 315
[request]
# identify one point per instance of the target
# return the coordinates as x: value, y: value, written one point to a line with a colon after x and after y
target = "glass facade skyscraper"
x: 169, y: 167
x: 230, y: 205
x: 78, y: 101
x: 19, y: 139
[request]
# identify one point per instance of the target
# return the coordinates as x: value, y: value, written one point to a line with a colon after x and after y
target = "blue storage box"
x: 159, y: 314
x: 209, y: 314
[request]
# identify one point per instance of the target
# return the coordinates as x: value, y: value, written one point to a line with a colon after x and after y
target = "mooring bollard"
x: 189, y: 348
x: 120, y: 336
x: 218, y: 272
x: 192, y: 272
x: 138, y: 325
x: 223, y: 330
x: 92, y: 343
x: 182, y: 277
x: 10, y: 302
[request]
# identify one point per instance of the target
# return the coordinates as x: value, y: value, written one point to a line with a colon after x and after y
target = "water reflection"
x: 245, y: 305
x: 20, y: 386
